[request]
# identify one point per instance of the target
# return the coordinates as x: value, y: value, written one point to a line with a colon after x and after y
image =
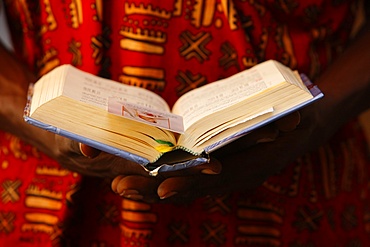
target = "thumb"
x: 88, y: 151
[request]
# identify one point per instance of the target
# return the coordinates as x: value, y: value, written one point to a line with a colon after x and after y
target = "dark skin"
x: 246, y: 163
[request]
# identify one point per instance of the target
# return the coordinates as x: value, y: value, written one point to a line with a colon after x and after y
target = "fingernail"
x: 83, y: 151
x: 172, y: 193
x: 87, y: 151
x: 209, y: 171
x: 134, y: 197
x: 127, y: 193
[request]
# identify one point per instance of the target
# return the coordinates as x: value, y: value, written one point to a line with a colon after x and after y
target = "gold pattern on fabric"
x: 4, y: 164
x: 129, y: 232
x: 72, y: 190
x: 74, y: 48
x: 10, y: 191
x: 49, y: 61
x: 109, y: 213
x: 188, y: 81
x: 43, y: 198
x: 6, y: 222
x: 203, y: 14
x: 100, y: 43
x: 139, y: 217
x: 98, y: 6
x: 179, y: 232
x: 40, y: 202
x: 218, y: 204
x: 259, y: 235
x: 24, y: 7
x: 76, y: 13
x: 288, y: 57
x: 230, y: 56
x: 143, y: 40
x: 53, y: 231
x: 138, y: 220
x: 308, y: 219
x: 51, y: 23
x: 230, y: 13
x: 214, y: 233
x: 150, y: 10
x: 41, y: 218
x: 261, y: 224
x: 177, y: 8
x: 137, y: 39
x: 51, y: 171
x: 150, y: 78
x: 194, y: 45
x: 249, y: 61
x: 36, y: 191
x: 45, y: 222
x: 15, y: 147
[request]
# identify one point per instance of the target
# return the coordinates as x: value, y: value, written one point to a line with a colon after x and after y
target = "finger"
x: 211, y: 168
x: 185, y: 189
x: 174, y: 186
x: 88, y: 151
x: 289, y: 122
x: 115, y: 182
x: 136, y: 187
x: 264, y: 134
x: 75, y: 149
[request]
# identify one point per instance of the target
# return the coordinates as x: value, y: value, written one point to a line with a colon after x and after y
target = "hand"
x: 88, y: 161
x: 212, y: 178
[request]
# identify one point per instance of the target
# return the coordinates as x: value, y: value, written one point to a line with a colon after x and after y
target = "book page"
x: 160, y: 119
x: 213, y: 97
x: 232, y: 123
x: 96, y: 91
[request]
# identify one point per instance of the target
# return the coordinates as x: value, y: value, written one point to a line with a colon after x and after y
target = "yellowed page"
x: 214, y: 97
x: 96, y: 91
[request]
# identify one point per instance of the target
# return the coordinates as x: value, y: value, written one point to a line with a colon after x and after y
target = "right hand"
x: 92, y: 162
x: 244, y: 165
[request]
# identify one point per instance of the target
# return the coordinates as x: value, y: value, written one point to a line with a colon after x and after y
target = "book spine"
x: 154, y: 171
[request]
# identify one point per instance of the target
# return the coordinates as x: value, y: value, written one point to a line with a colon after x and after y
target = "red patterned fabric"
x: 320, y: 200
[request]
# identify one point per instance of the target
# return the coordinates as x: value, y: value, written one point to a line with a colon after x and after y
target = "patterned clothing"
x: 171, y: 47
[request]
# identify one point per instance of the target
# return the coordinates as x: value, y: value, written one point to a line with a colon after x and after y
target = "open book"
x: 138, y: 125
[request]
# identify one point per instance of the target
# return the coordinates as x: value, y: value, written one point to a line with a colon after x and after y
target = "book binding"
x: 151, y: 168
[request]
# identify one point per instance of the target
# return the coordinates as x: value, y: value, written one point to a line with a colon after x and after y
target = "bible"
x: 138, y: 125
